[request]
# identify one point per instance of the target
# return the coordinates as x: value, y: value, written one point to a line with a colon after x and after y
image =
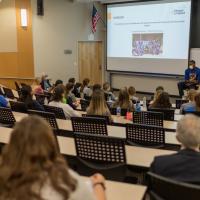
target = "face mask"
x: 191, y: 67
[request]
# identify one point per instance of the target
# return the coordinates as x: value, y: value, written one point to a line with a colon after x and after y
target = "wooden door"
x: 90, y: 61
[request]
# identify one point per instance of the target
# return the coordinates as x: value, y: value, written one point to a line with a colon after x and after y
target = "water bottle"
x: 138, y: 107
x: 144, y: 104
x: 118, y: 111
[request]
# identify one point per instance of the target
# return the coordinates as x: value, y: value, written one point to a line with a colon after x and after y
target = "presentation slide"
x: 150, y: 37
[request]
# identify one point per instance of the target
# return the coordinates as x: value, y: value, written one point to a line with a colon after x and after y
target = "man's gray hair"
x: 188, y: 131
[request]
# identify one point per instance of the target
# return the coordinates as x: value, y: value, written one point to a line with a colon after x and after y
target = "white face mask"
x: 191, y: 67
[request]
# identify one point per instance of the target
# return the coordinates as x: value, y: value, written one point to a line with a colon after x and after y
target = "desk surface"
x: 114, y: 131
x: 137, y: 156
x: 119, y: 191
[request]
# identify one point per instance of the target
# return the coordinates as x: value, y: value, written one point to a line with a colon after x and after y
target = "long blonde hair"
x: 30, y: 160
x: 98, y: 104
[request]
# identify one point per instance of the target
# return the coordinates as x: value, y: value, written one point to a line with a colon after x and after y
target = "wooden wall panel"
x: 24, y: 41
x: 10, y: 82
x: 20, y: 64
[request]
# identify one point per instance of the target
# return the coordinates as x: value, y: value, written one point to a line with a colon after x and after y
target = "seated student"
x: 184, y: 165
x: 132, y: 94
x: 191, y: 104
x: 57, y: 101
x: 37, y: 88
x: 3, y: 102
x: 45, y: 83
x: 192, y: 78
x: 70, y: 97
x: 32, y: 167
x: 162, y: 101
x: 76, y: 90
x: 194, y: 107
x: 159, y: 90
x: 84, y: 89
x: 72, y: 80
x: 106, y: 89
x: 27, y: 97
x: 123, y: 101
x: 96, y: 87
x: 98, y: 105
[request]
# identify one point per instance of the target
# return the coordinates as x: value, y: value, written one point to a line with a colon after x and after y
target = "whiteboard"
x: 195, y: 55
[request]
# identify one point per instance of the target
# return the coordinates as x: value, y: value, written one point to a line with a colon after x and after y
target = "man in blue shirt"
x: 3, y: 101
x: 192, y: 78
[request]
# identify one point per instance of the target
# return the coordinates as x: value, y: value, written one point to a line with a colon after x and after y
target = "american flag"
x: 95, y: 18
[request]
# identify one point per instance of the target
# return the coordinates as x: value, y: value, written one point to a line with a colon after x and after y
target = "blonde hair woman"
x: 32, y: 167
x: 98, y: 105
x: 124, y: 101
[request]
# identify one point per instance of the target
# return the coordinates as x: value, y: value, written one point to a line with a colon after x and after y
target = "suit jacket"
x: 182, y: 166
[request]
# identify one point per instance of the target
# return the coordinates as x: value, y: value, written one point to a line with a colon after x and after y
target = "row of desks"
x: 115, y: 131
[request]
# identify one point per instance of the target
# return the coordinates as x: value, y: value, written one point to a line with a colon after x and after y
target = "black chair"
x: 49, y: 117
x: 161, y: 188
x: 148, y: 118
x: 59, y: 113
x: 8, y: 93
x: 98, y: 116
x: 168, y: 113
x: 17, y: 86
x: 179, y: 103
x: 113, y: 111
x: 145, y: 135
x: 1, y: 92
x: 18, y: 106
x: 101, y: 154
x: 6, y: 117
x: 90, y: 125
x: 84, y: 104
x: 41, y: 98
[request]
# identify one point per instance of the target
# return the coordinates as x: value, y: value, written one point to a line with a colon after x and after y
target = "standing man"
x: 192, y: 78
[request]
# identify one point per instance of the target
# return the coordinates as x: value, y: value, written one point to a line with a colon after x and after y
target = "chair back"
x: 17, y: 86
x: 59, y: 113
x: 167, y: 189
x: 179, y: 103
x: 98, y: 116
x: 8, y: 93
x: 1, y: 92
x: 168, y: 113
x: 101, y: 149
x: 18, y: 106
x: 148, y: 118
x: 145, y: 135
x: 90, y: 125
x: 84, y: 104
x: 6, y: 116
x: 113, y: 111
x: 49, y: 117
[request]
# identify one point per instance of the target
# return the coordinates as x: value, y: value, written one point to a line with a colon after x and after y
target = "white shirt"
x: 68, y: 110
x: 84, y: 190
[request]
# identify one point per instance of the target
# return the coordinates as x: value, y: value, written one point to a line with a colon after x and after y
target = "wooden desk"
x: 114, y: 131
x: 136, y: 156
x: 119, y: 191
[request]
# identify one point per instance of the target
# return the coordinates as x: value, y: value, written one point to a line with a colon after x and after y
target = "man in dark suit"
x: 185, y: 164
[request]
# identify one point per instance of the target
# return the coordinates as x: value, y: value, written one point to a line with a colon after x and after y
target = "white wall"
x: 64, y: 24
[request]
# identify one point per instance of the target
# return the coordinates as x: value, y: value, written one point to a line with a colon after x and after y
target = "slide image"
x: 147, y: 44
